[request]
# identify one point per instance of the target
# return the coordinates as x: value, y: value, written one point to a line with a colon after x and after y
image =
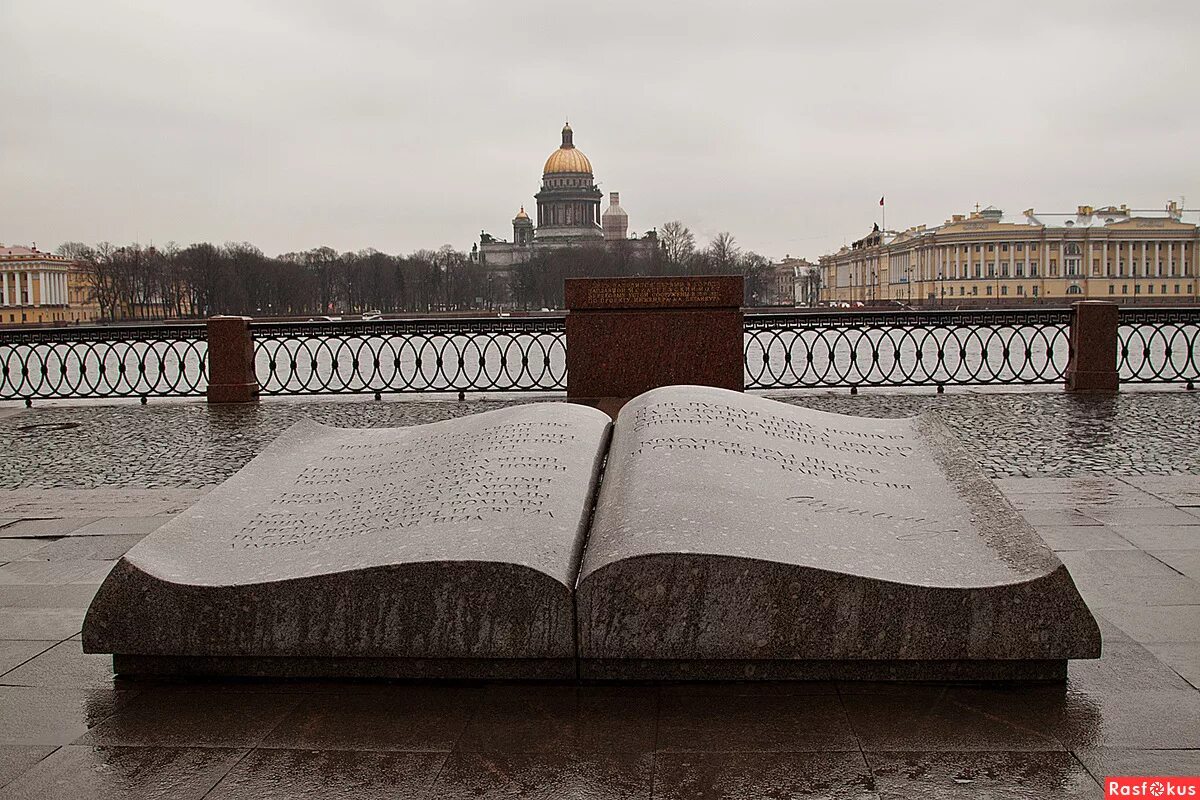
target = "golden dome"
x: 521, y: 214
x: 567, y: 158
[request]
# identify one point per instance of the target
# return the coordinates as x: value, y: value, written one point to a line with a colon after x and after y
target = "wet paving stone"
x: 926, y: 776
x: 127, y: 773
x: 1031, y: 433
x: 749, y: 776
x: 331, y: 775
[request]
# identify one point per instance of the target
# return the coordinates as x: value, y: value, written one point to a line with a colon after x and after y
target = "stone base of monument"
x: 660, y: 669
x: 520, y: 669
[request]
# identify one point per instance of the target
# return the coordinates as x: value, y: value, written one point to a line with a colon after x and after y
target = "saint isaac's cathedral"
x: 568, y: 215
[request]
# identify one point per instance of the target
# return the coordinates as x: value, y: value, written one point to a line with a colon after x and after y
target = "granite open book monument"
x: 706, y: 534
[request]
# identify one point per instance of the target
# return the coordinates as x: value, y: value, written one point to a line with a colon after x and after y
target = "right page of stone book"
x: 734, y: 527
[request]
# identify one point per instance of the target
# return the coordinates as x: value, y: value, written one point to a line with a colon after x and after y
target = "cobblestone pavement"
x: 1034, y: 433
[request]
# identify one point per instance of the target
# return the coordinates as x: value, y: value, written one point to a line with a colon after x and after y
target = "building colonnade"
x: 24, y: 287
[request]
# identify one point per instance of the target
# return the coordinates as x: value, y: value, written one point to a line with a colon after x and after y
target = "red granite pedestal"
x: 231, y: 377
x: 1093, y: 365
x: 626, y: 336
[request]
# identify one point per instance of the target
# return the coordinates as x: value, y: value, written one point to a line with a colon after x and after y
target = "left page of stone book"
x: 417, y: 551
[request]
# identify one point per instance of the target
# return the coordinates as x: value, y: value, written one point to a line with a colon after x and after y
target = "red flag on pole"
x: 881, y: 200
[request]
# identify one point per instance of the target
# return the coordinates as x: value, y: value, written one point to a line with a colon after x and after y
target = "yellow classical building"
x: 989, y: 258
x: 37, y: 287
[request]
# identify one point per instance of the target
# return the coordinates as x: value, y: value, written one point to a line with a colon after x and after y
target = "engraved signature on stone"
x: 824, y: 507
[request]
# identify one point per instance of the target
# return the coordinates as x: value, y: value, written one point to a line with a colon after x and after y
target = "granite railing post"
x: 231, y: 377
x: 1093, y: 364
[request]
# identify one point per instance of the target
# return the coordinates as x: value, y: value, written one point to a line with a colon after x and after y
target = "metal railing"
x: 129, y: 361
x: 1159, y: 345
x: 912, y: 348
x: 782, y: 351
x: 445, y: 355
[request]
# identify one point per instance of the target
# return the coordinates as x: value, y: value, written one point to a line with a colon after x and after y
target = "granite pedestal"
x: 628, y: 335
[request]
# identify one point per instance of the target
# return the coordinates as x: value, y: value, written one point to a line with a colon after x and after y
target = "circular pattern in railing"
x: 103, y: 362
x: 805, y: 351
x: 411, y: 357
x: 1158, y: 350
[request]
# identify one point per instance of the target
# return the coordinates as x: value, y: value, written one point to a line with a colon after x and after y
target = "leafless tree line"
x: 145, y: 282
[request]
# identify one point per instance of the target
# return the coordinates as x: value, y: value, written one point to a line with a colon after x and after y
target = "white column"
x: 1012, y: 250
x: 17, y: 296
x: 58, y: 288
x: 1104, y: 259
x: 62, y: 288
x: 4, y: 286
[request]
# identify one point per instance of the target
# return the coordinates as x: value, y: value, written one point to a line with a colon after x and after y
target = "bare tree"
x: 724, y: 252
x: 678, y: 243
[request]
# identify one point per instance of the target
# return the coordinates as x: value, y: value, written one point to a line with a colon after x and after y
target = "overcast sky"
x: 403, y: 125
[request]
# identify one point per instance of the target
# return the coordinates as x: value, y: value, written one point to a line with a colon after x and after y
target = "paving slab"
x: 1179, y: 490
x: 563, y: 719
x: 1104, y: 761
x: 360, y: 775
x: 410, y: 718
x: 1183, y: 658
x: 79, y: 548
x: 952, y: 719
x: 545, y: 776
x: 54, y: 716
x: 123, y: 526
x: 38, y: 595
x: 754, y: 724
x: 1082, y: 537
x: 1185, y: 562
x: 1161, y: 537
x: 14, y: 549
x: 940, y: 774
x: 1124, y: 667
x: 1143, y: 516
x: 192, y: 717
x: 17, y: 758
x: 1156, y: 624
x: 41, y: 528
x: 47, y: 624
x: 63, y: 665
x: 45, y: 573
x: 1154, y: 719
x: 14, y: 652
x: 836, y: 775
x: 91, y: 504
x: 124, y: 773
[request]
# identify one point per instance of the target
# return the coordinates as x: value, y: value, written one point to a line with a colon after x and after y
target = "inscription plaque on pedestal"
x: 732, y: 537
x: 626, y: 336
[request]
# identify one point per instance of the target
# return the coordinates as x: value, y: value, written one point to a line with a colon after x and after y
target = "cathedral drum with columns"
x: 568, y: 215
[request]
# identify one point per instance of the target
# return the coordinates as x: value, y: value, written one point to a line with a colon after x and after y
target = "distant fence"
x: 133, y: 361
x: 452, y: 355
x: 782, y: 351
x: 919, y: 348
x: 1159, y: 346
